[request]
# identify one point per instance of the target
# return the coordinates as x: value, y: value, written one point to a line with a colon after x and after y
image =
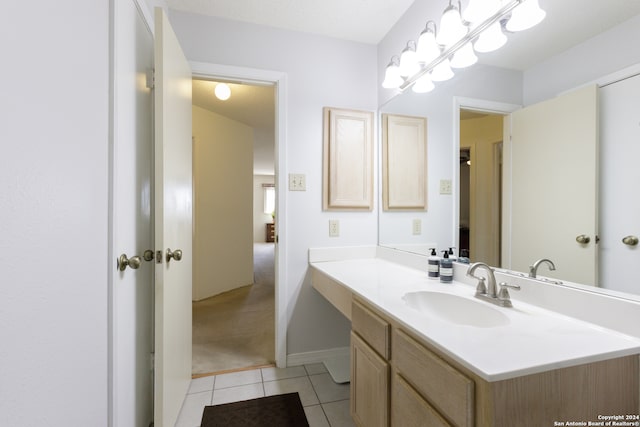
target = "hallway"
x: 236, y: 329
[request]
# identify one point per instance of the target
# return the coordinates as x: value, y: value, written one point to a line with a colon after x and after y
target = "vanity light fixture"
x: 479, y: 10
x: 525, y: 16
x: 392, y: 77
x: 491, y: 39
x: 451, y: 27
x: 409, y: 60
x: 480, y: 26
x: 428, y: 48
x: 423, y: 85
x: 222, y: 91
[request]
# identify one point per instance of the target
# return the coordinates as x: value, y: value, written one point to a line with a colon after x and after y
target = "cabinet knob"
x: 630, y: 240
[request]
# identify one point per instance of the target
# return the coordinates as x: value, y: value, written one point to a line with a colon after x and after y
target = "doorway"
x: 480, y: 178
x: 234, y: 261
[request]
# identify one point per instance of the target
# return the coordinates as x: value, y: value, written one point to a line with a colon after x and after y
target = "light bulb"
x: 222, y: 91
x: 451, y: 27
x: 525, y: 15
x: 428, y: 48
x: 409, y: 60
x: 491, y: 39
x: 392, y: 78
x: 423, y: 84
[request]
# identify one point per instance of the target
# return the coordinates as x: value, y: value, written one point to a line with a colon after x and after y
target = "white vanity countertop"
x: 535, y: 340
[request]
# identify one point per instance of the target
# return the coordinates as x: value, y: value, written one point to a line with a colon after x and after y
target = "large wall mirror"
x: 503, y: 197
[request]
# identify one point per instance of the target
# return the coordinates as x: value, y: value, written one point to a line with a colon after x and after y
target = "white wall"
x: 54, y: 206
x: 223, y: 221
x: 264, y: 145
x: 259, y: 217
x: 320, y: 72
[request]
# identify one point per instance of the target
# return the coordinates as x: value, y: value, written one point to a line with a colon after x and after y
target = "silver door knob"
x: 583, y: 239
x: 177, y: 254
x: 124, y: 262
x: 630, y: 240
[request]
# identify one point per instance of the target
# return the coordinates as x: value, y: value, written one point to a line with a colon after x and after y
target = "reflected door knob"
x: 583, y: 239
x: 177, y: 254
x: 630, y: 240
x: 124, y: 262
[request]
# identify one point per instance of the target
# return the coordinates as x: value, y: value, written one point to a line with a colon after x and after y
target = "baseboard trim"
x: 319, y: 356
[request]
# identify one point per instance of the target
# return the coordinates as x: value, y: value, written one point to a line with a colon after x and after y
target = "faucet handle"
x: 503, y: 294
x: 482, y: 287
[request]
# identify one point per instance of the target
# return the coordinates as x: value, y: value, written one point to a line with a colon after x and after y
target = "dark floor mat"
x: 283, y: 410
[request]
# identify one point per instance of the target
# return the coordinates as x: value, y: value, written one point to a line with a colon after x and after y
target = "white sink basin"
x: 456, y: 309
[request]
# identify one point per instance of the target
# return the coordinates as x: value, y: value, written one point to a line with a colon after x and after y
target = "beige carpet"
x: 235, y: 330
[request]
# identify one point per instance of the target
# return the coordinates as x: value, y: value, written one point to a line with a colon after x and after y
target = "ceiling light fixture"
x: 222, y: 91
x: 436, y: 52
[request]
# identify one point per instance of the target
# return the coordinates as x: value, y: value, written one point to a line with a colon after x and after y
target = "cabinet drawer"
x: 409, y: 409
x: 374, y: 329
x: 444, y: 387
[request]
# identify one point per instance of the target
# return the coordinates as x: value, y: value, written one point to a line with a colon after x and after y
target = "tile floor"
x: 326, y: 403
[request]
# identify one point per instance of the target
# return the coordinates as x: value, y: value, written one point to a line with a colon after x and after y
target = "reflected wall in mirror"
x: 590, y: 61
x: 404, y: 163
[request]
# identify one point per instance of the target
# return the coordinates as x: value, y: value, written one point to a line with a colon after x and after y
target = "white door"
x: 554, y: 151
x: 619, y: 201
x: 173, y: 220
x: 132, y: 227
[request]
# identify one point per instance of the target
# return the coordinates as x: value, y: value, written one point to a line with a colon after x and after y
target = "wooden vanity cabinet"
x: 398, y: 380
x: 370, y: 368
x: 446, y: 391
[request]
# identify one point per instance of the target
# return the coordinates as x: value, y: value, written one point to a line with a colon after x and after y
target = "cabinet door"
x: 369, y: 385
x: 409, y: 409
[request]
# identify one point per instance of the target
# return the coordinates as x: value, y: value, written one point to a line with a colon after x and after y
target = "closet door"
x: 620, y: 175
x: 554, y: 156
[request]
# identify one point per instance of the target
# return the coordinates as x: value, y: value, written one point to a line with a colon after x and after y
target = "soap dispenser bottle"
x: 446, y: 268
x: 452, y: 255
x: 464, y: 256
x: 434, y: 265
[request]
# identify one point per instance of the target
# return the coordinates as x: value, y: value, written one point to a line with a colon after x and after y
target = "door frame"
x: 279, y: 80
x: 463, y: 103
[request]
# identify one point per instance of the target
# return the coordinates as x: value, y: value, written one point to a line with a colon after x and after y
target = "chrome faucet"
x: 489, y: 291
x: 491, y: 279
x: 533, y: 269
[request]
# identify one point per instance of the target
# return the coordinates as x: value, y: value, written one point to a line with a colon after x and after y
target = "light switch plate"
x: 297, y: 182
x: 445, y: 186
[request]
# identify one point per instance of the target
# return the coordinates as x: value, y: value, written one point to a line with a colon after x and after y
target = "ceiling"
x: 366, y: 21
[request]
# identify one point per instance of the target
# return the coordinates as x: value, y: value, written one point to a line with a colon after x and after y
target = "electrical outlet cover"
x: 334, y: 228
